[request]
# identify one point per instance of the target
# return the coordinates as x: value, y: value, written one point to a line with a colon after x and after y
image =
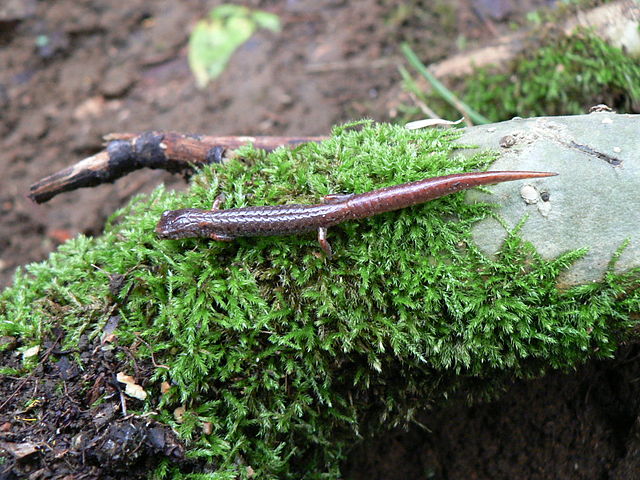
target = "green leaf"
x: 215, y: 39
x: 267, y: 20
x: 228, y: 10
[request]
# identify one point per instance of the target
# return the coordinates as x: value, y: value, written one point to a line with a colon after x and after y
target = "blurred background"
x: 72, y: 71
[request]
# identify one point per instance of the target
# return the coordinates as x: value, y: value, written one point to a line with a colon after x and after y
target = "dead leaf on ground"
x: 19, y: 450
x: 131, y: 387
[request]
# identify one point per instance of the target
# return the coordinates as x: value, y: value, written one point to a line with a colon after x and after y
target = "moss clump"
x: 567, y: 75
x: 292, y: 357
x: 563, y: 78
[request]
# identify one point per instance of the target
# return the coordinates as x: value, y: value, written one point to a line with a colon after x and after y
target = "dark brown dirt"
x: 582, y: 425
x: 46, y: 433
x: 73, y: 70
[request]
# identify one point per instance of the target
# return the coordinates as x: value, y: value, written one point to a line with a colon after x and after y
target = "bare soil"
x: 74, y: 70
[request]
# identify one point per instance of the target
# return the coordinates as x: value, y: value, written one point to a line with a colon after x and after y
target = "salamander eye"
x: 168, y: 225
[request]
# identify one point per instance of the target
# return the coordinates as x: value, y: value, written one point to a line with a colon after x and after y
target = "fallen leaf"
x: 178, y: 413
x: 213, y: 41
x: 31, y: 352
x: 207, y: 428
x: 19, y: 450
x: 131, y: 387
x: 60, y: 235
x: 430, y: 122
x: 164, y: 388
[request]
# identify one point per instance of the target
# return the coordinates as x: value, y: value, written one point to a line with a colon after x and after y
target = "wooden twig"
x: 174, y: 152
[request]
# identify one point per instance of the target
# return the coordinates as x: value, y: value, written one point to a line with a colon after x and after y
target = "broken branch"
x: 174, y: 152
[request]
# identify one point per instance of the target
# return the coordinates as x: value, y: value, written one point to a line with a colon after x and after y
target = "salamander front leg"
x: 217, y: 202
x: 324, y: 244
x: 221, y: 237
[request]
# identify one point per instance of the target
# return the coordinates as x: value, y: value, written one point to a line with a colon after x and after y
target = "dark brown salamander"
x: 225, y: 225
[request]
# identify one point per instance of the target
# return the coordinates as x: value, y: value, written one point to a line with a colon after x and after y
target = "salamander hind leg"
x: 221, y: 237
x: 324, y: 244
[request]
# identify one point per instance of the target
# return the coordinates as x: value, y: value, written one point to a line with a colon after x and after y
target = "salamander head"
x: 176, y: 224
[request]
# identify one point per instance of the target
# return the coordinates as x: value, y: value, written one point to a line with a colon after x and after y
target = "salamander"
x: 226, y: 225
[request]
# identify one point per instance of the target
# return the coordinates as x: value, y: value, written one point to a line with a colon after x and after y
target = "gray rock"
x: 593, y: 203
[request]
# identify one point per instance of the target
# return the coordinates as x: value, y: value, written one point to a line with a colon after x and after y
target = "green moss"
x: 292, y: 357
x: 565, y: 76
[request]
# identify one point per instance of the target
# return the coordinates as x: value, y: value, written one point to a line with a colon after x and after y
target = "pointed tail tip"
x: 527, y: 174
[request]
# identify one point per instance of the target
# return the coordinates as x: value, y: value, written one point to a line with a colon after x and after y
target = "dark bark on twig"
x: 174, y: 152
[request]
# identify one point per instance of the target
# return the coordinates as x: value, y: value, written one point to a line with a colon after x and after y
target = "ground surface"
x: 121, y: 66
